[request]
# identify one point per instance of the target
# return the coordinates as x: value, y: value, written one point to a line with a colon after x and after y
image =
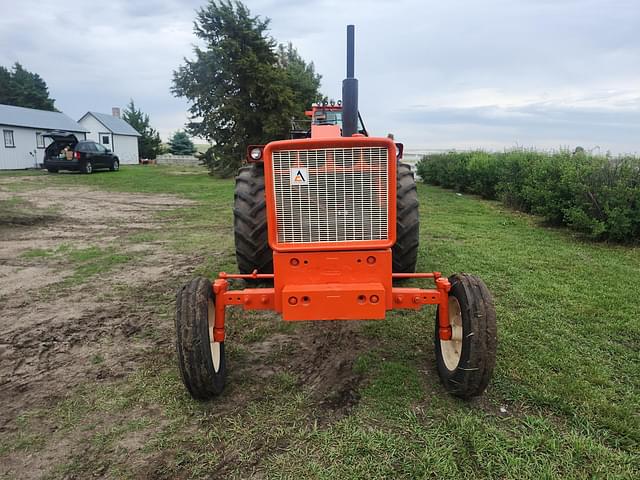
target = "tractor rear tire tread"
x: 405, y: 250
x: 192, y: 341
x: 250, y: 221
x: 478, y: 356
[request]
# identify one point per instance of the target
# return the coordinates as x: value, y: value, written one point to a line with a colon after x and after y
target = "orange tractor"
x: 331, y: 220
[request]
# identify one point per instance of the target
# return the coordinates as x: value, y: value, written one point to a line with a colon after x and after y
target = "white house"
x: 114, y: 133
x: 22, y: 144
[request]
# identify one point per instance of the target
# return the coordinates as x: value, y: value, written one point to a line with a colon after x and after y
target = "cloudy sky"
x: 455, y: 74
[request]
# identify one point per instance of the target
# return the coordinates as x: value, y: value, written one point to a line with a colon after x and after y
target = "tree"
x: 149, y: 143
x: 22, y: 88
x: 181, y: 144
x: 302, y: 79
x: 239, y: 90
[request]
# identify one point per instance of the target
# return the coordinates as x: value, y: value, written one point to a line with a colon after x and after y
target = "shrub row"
x: 595, y: 195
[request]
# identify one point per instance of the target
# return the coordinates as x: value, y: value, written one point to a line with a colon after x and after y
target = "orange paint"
x: 312, y: 144
x: 331, y: 280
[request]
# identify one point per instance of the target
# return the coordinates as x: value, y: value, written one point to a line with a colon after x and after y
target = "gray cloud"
x: 437, y: 74
x: 541, y: 125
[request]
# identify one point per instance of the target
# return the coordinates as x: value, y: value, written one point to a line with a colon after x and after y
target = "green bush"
x: 596, y: 195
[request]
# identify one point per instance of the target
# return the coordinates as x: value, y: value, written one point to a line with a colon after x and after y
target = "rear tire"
x: 52, y: 170
x: 86, y: 167
x: 405, y: 250
x: 465, y: 363
x: 202, y: 362
x: 250, y: 221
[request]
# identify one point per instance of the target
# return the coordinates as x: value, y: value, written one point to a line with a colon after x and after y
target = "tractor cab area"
x: 324, y: 121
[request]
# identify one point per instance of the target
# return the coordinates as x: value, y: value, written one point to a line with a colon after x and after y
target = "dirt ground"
x: 47, y: 331
x: 59, y: 331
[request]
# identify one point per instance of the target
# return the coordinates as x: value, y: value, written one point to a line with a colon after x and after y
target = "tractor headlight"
x: 256, y: 153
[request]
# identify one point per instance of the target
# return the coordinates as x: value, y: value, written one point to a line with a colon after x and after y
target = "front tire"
x: 465, y: 363
x: 201, y: 360
x: 405, y: 250
x: 115, y: 165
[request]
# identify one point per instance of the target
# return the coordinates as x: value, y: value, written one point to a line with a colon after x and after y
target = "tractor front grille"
x: 343, y: 199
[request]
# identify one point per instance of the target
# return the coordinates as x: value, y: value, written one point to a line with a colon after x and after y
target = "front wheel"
x: 465, y: 363
x: 201, y: 360
x: 115, y: 165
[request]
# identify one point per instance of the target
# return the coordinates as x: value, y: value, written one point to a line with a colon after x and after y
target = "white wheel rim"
x: 452, y: 349
x: 116, y: 165
x: 89, y: 167
x: 213, y: 345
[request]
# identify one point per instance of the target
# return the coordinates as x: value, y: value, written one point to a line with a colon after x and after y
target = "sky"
x: 489, y: 74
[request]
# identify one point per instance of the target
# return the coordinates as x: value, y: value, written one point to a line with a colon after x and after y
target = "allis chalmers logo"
x: 299, y: 176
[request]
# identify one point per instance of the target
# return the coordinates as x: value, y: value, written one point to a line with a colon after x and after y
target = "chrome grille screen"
x: 331, y: 194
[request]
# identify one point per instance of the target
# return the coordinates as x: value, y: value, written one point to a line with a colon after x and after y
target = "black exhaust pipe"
x: 350, y: 89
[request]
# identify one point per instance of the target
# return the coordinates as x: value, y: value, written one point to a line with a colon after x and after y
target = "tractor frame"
x: 331, y: 245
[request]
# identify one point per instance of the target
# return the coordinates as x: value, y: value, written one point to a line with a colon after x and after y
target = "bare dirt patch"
x: 324, y: 363
x: 320, y: 356
x: 53, y: 337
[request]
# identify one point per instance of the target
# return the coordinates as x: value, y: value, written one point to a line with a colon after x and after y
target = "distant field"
x: 200, y: 147
x: 330, y: 400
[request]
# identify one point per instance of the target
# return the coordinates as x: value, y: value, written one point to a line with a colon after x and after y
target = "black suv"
x: 66, y: 152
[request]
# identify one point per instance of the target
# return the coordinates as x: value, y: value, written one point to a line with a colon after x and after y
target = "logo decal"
x: 299, y: 176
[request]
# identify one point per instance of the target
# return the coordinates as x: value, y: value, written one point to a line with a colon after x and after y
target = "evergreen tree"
x: 302, y: 78
x: 6, y: 87
x: 22, y: 88
x: 239, y: 91
x: 149, y: 143
x: 181, y: 144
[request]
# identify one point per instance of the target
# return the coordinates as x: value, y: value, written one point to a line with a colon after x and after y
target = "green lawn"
x: 564, y: 401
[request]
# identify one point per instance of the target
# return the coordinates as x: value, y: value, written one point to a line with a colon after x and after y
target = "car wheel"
x: 115, y: 165
x: 52, y: 170
x: 87, y: 167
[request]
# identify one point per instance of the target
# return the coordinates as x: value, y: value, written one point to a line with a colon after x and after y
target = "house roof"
x: 115, y: 125
x: 32, y: 118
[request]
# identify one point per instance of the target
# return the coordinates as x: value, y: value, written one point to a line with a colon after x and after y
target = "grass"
x: 90, y: 261
x: 85, y: 262
x: 564, y: 401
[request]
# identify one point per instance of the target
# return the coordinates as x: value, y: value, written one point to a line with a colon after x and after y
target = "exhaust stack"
x: 350, y: 89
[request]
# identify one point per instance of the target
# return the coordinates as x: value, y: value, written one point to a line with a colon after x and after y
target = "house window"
x: 39, y: 140
x: 8, y: 139
x: 104, y: 139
